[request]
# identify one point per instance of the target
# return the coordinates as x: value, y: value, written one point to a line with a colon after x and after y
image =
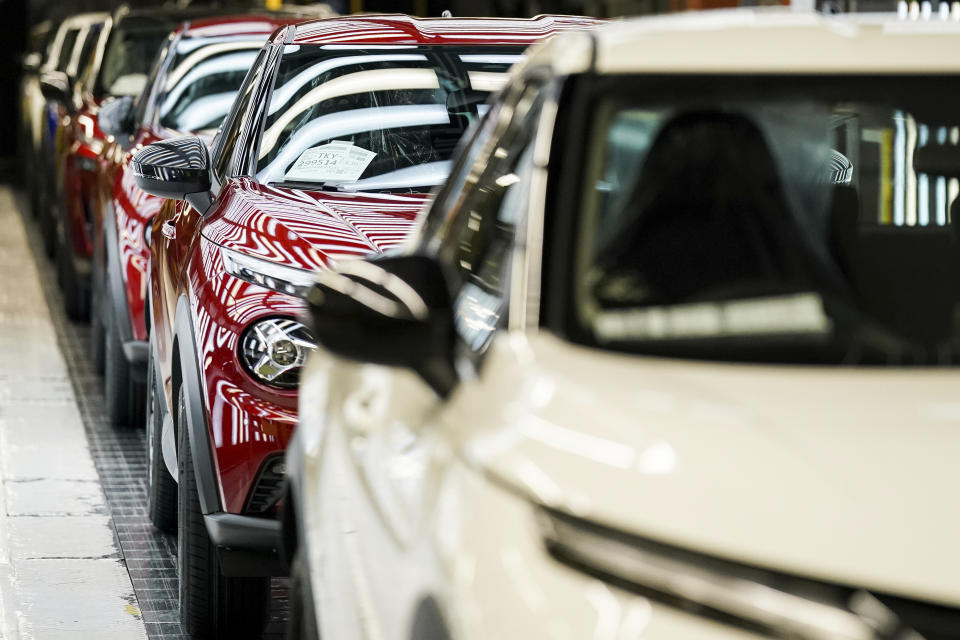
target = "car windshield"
x: 131, y: 49
x: 791, y: 220
x: 375, y: 118
x: 202, y: 81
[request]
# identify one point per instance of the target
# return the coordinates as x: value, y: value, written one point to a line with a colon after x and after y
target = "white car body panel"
x: 770, y: 40
x: 841, y: 474
x: 474, y: 544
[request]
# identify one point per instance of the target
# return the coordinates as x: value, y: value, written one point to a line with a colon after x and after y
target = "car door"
x: 388, y: 458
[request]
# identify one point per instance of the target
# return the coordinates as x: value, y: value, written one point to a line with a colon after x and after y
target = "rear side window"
x: 132, y: 47
x: 89, y: 42
x: 203, y: 82
x: 66, y: 49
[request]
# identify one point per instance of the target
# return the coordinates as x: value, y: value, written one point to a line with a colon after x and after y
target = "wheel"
x: 161, y: 487
x: 97, y: 332
x: 211, y: 605
x: 302, y: 621
x: 76, y: 295
x: 48, y: 226
x: 122, y: 396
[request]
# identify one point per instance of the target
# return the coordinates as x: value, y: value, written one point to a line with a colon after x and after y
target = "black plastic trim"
x: 136, y: 353
x: 246, y: 545
x: 265, y: 466
x: 203, y: 467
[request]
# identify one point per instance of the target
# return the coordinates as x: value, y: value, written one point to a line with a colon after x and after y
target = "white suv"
x: 673, y: 353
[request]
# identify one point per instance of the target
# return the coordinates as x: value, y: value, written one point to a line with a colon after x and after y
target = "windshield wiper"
x: 312, y: 186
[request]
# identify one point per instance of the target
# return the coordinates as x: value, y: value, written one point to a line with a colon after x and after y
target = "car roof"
x: 760, y: 41
x: 235, y: 25
x: 80, y: 20
x: 401, y: 29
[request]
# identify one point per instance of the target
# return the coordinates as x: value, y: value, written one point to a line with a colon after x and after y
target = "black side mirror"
x: 56, y: 86
x: 116, y: 117
x: 391, y: 310
x: 178, y: 169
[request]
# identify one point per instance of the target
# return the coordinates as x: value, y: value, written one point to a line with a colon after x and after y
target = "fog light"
x: 274, y: 351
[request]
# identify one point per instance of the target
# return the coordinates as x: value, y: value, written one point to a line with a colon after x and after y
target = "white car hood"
x: 841, y: 474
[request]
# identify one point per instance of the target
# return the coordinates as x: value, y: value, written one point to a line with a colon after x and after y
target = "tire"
x: 302, y: 619
x: 48, y: 226
x: 97, y: 331
x: 122, y: 396
x: 211, y: 605
x: 76, y: 296
x: 161, y: 487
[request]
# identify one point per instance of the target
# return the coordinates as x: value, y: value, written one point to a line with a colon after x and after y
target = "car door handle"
x: 168, y: 230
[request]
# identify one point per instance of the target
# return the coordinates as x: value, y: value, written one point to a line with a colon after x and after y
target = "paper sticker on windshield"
x: 337, y: 161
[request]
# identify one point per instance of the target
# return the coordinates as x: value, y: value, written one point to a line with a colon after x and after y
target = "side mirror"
x: 391, y: 310
x: 57, y: 87
x: 177, y: 169
x: 116, y: 117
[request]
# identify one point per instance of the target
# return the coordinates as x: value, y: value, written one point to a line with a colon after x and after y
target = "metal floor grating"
x: 120, y: 459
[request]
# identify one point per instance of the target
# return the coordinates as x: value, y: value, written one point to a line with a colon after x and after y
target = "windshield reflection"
x: 368, y: 120
x: 203, y: 81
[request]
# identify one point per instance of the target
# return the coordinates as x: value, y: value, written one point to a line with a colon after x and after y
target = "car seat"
x: 709, y: 214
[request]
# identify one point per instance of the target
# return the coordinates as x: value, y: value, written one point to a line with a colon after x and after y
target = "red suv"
x: 190, y: 89
x: 117, y: 65
x: 339, y: 133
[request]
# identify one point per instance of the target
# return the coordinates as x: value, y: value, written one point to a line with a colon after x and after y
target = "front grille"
x: 267, y: 488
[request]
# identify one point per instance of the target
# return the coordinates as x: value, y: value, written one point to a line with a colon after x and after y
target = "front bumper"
x: 246, y: 546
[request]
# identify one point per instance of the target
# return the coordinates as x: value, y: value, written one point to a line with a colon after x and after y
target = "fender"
x: 135, y: 351
x: 203, y: 466
x: 246, y: 545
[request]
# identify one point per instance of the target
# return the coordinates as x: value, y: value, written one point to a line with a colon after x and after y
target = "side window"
x: 89, y: 42
x: 232, y: 129
x: 434, y: 226
x: 483, y: 226
x: 66, y: 49
x: 144, y: 105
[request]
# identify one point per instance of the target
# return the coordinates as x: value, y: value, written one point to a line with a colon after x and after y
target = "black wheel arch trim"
x: 114, y: 280
x: 203, y: 466
x: 247, y: 546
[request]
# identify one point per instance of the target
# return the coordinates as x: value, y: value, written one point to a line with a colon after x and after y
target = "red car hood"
x: 304, y: 229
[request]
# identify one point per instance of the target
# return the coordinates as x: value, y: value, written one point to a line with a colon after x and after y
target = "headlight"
x: 274, y: 350
x: 778, y: 605
x: 295, y: 282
